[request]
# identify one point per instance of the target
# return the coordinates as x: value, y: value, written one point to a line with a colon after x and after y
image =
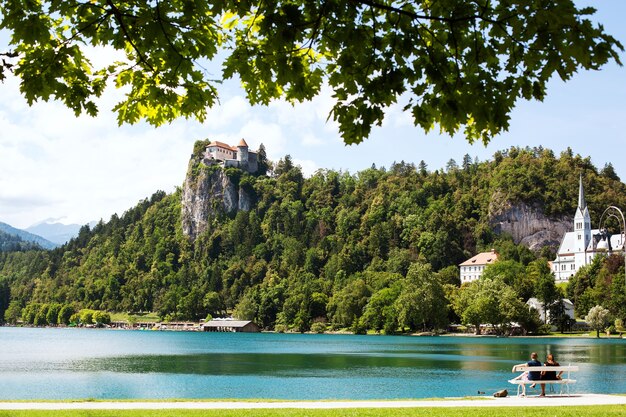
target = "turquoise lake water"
x: 101, y: 364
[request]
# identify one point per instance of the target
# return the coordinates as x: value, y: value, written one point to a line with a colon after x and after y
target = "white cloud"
x: 58, y: 165
x: 308, y: 167
x: 396, y: 117
x: 271, y: 135
x: 234, y: 111
x: 309, y: 139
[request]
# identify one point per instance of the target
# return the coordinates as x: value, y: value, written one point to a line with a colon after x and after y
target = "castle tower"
x: 582, y: 227
x: 242, y: 152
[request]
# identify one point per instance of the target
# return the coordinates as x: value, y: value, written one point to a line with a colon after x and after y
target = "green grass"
x: 592, y: 411
x: 145, y: 317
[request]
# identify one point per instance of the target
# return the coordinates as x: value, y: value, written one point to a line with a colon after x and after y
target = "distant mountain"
x: 27, y: 237
x: 14, y: 243
x: 56, y: 232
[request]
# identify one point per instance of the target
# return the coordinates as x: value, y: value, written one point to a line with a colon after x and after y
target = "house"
x: 239, y: 156
x: 538, y: 305
x: 578, y: 248
x: 229, y: 325
x: 473, y: 268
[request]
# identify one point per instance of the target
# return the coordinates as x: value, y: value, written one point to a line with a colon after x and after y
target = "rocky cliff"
x: 527, y: 224
x: 209, y: 192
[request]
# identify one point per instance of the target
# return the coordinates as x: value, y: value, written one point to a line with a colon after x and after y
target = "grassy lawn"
x: 605, y: 410
x: 145, y: 317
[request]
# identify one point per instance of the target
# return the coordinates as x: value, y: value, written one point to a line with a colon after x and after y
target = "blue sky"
x: 54, y: 165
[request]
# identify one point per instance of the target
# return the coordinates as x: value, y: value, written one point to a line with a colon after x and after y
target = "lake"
x: 107, y: 364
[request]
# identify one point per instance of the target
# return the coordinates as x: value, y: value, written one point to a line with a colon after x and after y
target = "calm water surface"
x: 86, y: 363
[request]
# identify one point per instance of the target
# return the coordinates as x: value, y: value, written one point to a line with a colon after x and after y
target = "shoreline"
x: 513, y: 401
x: 344, y: 333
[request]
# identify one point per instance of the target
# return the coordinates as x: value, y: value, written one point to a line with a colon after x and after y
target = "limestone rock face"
x: 207, y: 193
x: 527, y: 224
x: 245, y: 202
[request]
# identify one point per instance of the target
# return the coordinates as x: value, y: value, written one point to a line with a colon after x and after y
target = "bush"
x: 318, y: 327
x: 65, y: 314
x: 101, y: 317
x: 52, y: 315
x: 86, y: 316
x: 280, y: 328
x: 390, y: 327
x: 358, y: 327
x: 13, y: 313
x: 544, y: 329
x: 41, y: 316
x: 75, y: 318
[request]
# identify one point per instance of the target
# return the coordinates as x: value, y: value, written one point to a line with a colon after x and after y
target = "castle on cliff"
x: 232, y: 156
x: 578, y: 248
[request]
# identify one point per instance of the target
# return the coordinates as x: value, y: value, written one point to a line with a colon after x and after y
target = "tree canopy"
x: 458, y: 65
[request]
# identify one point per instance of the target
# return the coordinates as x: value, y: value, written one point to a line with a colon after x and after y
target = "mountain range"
x: 26, y: 236
x: 56, y: 232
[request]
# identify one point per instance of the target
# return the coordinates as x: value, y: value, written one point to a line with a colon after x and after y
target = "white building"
x: 537, y: 305
x: 473, y: 268
x: 578, y: 248
x: 233, y: 156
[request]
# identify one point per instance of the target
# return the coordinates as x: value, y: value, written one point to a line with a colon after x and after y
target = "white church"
x: 578, y: 248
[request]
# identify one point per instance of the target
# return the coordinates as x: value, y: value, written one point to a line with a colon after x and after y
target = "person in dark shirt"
x: 551, y: 375
x: 535, y: 376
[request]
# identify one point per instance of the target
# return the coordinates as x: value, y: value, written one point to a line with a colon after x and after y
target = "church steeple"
x: 582, y: 204
x: 582, y: 223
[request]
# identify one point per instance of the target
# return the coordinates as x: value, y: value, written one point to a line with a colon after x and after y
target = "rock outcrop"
x: 527, y: 224
x: 209, y: 192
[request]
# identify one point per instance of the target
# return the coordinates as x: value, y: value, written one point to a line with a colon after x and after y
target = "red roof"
x: 484, y: 258
x: 222, y: 145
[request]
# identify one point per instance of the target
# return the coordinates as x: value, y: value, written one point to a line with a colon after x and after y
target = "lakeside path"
x: 550, y: 401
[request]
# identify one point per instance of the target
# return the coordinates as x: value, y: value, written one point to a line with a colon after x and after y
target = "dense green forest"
x: 378, y: 250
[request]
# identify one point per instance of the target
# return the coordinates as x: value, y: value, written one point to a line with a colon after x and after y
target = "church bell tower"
x: 582, y: 227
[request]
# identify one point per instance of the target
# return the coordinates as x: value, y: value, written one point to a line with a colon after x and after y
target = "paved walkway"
x: 551, y: 401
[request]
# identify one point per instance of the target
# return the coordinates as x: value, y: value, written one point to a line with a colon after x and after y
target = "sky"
x: 54, y: 165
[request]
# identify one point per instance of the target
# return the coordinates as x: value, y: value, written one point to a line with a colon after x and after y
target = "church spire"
x: 581, y: 195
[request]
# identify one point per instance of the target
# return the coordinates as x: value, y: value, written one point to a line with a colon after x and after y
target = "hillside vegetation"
x: 378, y: 249
x: 13, y: 243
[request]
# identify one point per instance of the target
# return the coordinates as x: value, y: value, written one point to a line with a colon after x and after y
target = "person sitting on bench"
x: 550, y: 375
x: 535, y: 376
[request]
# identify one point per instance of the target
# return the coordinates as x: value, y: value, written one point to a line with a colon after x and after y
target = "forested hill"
x: 320, y: 248
x: 31, y: 241
x: 11, y: 243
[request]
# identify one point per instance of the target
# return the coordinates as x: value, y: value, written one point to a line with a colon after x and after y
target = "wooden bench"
x: 565, y: 380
